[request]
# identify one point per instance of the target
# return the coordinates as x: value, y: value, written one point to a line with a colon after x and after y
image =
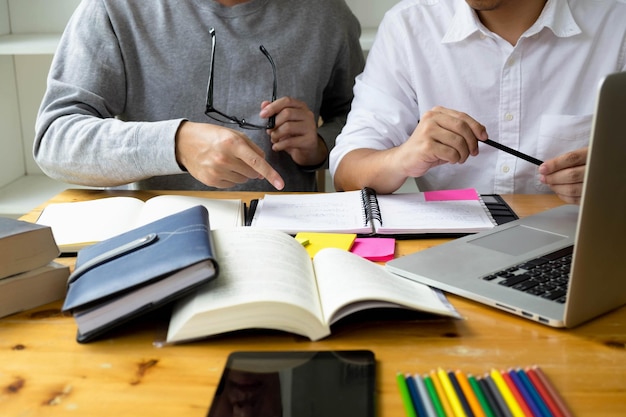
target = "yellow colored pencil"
x: 508, y: 396
x: 454, y: 400
x: 443, y: 398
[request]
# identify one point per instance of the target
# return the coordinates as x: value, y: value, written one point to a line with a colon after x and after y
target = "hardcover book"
x: 24, y: 246
x: 33, y: 288
x: 138, y: 271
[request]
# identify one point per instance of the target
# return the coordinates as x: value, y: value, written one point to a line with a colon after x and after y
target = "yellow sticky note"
x: 318, y: 241
x: 302, y: 241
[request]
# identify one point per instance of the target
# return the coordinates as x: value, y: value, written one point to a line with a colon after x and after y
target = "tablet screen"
x: 296, y: 384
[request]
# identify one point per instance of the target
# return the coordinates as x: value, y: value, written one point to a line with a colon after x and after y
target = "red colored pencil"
x: 543, y: 392
x: 516, y: 393
x: 563, y: 410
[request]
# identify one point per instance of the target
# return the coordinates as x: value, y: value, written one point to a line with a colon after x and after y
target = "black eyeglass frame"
x: 271, y: 122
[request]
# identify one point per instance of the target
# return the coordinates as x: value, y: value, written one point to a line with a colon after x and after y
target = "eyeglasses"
x: 219, y: 116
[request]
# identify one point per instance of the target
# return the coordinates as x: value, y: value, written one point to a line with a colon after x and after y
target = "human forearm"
x: 86, y: 150
x: 369, y: 168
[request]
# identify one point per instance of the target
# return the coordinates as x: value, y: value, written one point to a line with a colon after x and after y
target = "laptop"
x: 592, y: 237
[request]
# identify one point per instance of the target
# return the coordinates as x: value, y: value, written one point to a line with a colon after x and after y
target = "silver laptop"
x: 594, y: 233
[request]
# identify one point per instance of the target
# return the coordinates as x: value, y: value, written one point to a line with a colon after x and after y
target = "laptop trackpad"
x: 517, y: 240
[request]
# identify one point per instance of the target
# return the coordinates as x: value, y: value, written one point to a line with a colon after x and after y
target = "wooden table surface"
x: 44, y: 372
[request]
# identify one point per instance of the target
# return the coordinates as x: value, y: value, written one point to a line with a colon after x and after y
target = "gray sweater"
x: 128, y: 72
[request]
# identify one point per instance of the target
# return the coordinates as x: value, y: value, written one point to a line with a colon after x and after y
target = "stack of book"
x: 29, y: 277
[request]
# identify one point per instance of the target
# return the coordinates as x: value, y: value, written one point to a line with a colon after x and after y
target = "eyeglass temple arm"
x: 209, y: 94
x: 272, y: 119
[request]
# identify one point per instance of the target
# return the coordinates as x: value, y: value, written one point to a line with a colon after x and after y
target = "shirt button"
x: 508, y: 117
x: 510, y: 62
x: 505, y: 169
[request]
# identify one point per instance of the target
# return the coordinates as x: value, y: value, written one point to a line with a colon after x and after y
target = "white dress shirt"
x: 537, y: 96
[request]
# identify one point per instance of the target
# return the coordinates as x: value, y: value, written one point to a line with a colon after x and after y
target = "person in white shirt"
x: 443, y: 75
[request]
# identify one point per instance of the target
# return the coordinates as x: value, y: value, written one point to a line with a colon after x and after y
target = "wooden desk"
x: 44, y: 372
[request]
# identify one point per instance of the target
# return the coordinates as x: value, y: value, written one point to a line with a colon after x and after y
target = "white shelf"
x: 29, y: 44
x: 28, y: 192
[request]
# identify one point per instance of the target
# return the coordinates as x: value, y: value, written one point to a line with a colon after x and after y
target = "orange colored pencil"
x: 441, y: 393
x: 469, y: 394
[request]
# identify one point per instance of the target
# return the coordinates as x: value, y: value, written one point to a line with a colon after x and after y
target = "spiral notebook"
x: 448, y: 212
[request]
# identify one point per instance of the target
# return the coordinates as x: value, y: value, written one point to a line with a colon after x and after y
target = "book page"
x: 265, y: 281
x: 83, y: 222
x: 348, y: 283
x: 403, y: 213
x: 223, y: 213
x: 324, y: 212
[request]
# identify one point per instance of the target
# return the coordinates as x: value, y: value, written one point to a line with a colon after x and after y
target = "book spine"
x: 371, y: 209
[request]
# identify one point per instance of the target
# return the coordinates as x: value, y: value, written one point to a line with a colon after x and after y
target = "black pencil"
x: 513, y: 152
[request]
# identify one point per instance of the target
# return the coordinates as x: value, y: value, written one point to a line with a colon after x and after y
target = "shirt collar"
x: 556, y: 16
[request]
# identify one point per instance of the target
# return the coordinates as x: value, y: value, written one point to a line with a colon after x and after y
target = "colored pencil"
x: 506, y: 393
x: 543, y: 408
x: 493, y: 404
x: 560, y: 403
x: 516, y: 393
x: 459, y: 393
x: 432, y: 393
x: 450, y: 392
x: 534, y: 408
x: 405, y: 395
x: 497, y: 395
x: 481, y: 396
x: 544, y: 392
x: 423, y: 393
x: 445, y: 402
x: 469, y: 394
x: 418, y: 404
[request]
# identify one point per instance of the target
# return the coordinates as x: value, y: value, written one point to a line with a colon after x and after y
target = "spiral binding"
x: 371, y: 210
x: 489, y: 214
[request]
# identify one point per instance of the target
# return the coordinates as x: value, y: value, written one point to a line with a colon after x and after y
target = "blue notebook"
x: 138, y: 271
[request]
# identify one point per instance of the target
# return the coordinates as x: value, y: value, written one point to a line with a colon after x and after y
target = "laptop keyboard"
x: 546, y: 276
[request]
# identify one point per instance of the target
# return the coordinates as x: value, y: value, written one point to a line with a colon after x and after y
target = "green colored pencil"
x: 406, y: 395
x: 432, y: 392
x: 481, y: 397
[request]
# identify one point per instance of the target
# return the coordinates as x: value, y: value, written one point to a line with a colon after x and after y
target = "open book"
x: 278, y: 287
x: 79, y: 224
x: 365, y: 212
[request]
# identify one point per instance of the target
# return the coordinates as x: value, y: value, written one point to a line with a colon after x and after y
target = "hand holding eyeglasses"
x: 295, y: 131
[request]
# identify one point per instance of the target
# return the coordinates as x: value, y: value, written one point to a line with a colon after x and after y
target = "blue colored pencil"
x: 418, y: 404
x: 541, y: 405
x: 534, y: 408
x: 429, y: 408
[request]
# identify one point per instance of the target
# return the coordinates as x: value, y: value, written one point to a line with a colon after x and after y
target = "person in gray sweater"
x: 129, y: 100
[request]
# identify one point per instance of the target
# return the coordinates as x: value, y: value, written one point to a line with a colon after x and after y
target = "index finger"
x: 260, y: 165
x: 476, y: 129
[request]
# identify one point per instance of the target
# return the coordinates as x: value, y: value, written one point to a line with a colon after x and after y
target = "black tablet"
x: 297, y: 384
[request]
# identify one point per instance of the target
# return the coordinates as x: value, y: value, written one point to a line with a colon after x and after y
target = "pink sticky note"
x: 379, y: 249
x: 449, y: 195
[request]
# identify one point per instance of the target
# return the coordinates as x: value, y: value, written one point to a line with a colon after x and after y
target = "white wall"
x: 370, y: 12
